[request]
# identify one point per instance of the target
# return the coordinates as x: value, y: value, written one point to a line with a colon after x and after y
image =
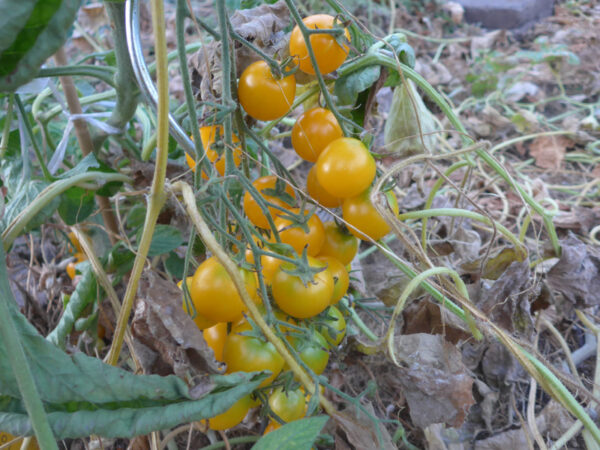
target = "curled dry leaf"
x: 172, y: 341
x: 437, y: 385
x: 549, y: 151
x: 360, y: 430
x: 576, y: 275
x: 262, y: 26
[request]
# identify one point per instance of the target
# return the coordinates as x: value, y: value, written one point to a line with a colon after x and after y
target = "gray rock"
x: 506, y: 14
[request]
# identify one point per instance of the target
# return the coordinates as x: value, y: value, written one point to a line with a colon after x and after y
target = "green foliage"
x: 296, y: 435
x: 165, y: 239
x: 36, y: 29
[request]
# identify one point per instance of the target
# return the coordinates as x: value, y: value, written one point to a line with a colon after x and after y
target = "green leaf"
x: 347, y: 88
x: 85, y: 294
x: 89, y: 163
x: 175, y: 265
x: 22, y: 198
x: 33, y: 41
x: 296, y: 435
x: 76, y: 204
x: 165, y: 239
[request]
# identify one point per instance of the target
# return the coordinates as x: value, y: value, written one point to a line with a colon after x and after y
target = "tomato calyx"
x: 302, y: 269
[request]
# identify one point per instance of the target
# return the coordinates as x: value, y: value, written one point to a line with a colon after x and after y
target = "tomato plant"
x: 215, y: 337
x: 328, y: 52
x: 263, y: 96
x: 345, y: 168
x: 289, y: 405
x: 212, y: 137
x: 338, y: 243
x: 273, y: 190
x: 244, y: 353
x: 302, y: 298
x: 317, y: 193
x: 313, y: 131
x: 214, y: 294
x: 269, y: 265
x: 359, y: 212
x: 341, y: 279
x: 298, y: 237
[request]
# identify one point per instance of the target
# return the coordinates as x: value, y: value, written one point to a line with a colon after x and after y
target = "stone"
x: 506, y: 14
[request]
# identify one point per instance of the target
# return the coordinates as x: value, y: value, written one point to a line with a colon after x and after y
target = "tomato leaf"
x: 76, y: 204
x: 296, y: 435
x: 347, y: 88
x: 23, y: 196
x: 85, y: 294
x: 165, y: 239
x: 31, y: 32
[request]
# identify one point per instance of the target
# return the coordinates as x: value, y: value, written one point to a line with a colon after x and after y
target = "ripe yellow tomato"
x: 5, y: 438
x: 210, y: 136
x: 263, y: 96
x: 215, y: 337
x: 273, y: 190
x: 341, y: 279
x: 345, y: 168
x: 313, y: 131
x: 214, y: 294
x: 360, y: 213
x: 233, y: 416
x: 201, y: 322
x: 298, y: 299
x: 297, y: 237
x: 317, y: 193
x: 328, y: 52
x: 269, y: 265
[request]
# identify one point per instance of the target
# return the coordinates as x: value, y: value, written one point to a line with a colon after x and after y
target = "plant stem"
x: 85, y: 142
x: 20, y: 365
x: 34, y: 143
x: 7, y: 123
x: 157, y: 194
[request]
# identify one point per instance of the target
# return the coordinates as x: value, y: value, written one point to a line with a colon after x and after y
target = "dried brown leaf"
x: 436, y: 383
x: 577, y: 273
x: 549, y: 151
x: 360, y: 430
x: 160, y: 324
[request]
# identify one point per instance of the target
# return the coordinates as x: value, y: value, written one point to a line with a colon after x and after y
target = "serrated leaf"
x: 76, y: 205
x: 347, y: 88
x: 297, y: 435
x: 32, y: 42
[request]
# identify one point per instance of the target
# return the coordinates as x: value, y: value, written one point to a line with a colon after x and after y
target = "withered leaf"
x: 360, y: 430
x: 495, y: 265
x: 262, y: 26
x: 577, y: 273
x: 436, y: 383
x: 162, y: 326
x: 549, y: 151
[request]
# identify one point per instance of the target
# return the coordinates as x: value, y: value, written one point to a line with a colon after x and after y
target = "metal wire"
x: 142, y: 75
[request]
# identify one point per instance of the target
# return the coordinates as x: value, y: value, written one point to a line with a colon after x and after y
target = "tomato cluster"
x: 299, y: 262
x: 78, y: 254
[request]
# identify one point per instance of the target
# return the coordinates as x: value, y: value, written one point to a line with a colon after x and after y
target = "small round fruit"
x: 201, y: 322
x: 280, y: 194
x: 251, y: 354
x: 317, y: 193
x: 269, y: 265
x: 71, y: 271
x: 233, y: 416
x: 341, y: 279
x: 272, y: 426
x: 339, y: 243
x: 334, y: 328
x: 214, y: 294
x: 75, y: 242
x: 345, y: 168
x: 328, y: 52
x: 208, y: 136
x: 288, y: 405
x: 215, y: 337
x: 312, y: 351
x: 360, y: 213
x: 313, y: 131
x: 294, y: 234
x: 263, y: 96
x: 299, y: 299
